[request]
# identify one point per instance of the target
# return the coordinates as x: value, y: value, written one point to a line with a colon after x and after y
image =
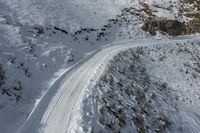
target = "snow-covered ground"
x: 43, y: 42
x: 61, y: 113
x: 71, y: 15
x: 144, y: 89
x: 38, y: 44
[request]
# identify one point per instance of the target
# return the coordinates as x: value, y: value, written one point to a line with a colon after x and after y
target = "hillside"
x: 43, y: 41
x: 144, y: 89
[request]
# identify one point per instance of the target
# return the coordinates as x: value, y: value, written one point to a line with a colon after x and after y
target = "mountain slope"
x: 61, y: 111
x: 41, y: 41
x: 145, y: 89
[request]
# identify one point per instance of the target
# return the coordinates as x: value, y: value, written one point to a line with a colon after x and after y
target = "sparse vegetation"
x: 35, y: 56
x: 2, y: 76
x: 131, y: 83
x: 39, y: 29
x: 153, y: 23
x: 30, y: 47
x: 14, y: 91
x: 193, y: 26
x: 127, y: 96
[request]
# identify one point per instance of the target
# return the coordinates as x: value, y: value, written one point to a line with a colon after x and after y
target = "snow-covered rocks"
x: 146, y: 89
x: 41, y: 40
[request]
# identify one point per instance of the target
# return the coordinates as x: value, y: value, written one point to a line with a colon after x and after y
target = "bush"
x: 39, y: 29
x: 2, y: 75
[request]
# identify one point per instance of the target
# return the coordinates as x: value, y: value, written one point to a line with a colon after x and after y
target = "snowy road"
x: 53, y: 113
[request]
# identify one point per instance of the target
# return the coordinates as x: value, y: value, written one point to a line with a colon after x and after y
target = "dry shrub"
x: 2, y: 75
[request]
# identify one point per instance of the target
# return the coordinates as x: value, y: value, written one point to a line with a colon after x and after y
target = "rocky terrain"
x: 41, y: 40
x: 146, y: 89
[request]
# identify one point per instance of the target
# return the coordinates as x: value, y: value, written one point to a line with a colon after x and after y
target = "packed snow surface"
x: 145, y: 89
x: 41, y: 40
x: 70, y: 104
x: 46, y: 45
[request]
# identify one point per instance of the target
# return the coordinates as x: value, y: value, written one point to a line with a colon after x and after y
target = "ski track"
x: 53, y: 112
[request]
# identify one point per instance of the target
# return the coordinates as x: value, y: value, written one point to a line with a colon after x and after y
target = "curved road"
x: 52, y: 114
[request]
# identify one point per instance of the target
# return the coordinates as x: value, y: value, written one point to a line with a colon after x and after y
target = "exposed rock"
x: 171, y: 27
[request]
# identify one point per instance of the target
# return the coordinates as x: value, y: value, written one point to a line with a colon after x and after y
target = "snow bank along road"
x: 53, y: 113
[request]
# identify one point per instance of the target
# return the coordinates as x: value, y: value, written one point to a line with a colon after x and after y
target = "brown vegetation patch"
x: 154, y: 23
x: 171, y: 27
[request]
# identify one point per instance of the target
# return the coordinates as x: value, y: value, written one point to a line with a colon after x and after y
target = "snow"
x: 35, y: 60
x: 67, y: 95
x: 67, y: 14
x: 60, y: 113
x: 43, y: 43
x: 152, y: 88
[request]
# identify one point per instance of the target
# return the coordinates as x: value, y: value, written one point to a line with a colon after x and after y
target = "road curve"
x: 52, y: 115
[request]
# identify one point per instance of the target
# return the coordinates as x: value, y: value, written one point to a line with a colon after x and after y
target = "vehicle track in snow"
x: 53, y: 113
